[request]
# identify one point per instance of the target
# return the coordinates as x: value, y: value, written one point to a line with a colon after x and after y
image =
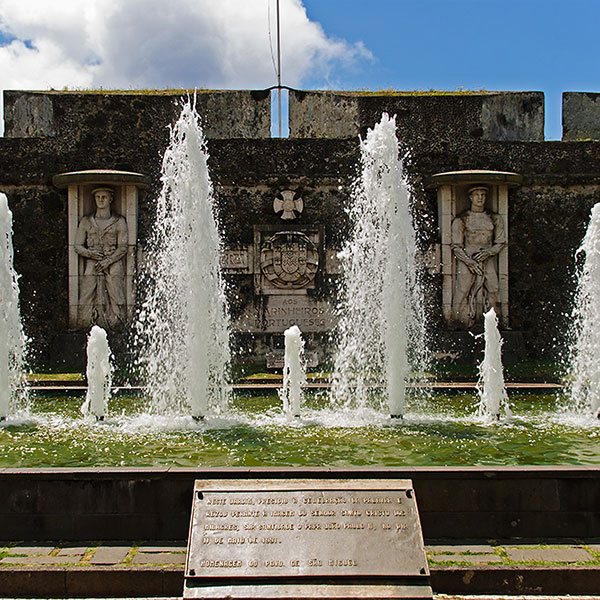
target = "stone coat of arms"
x: 289, y: 260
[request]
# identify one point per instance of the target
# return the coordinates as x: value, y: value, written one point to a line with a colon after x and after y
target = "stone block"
x: 109, y: 555
x: 158, y: 558
x: 39, y: 560
x: 31, y: 550
x: 580, y: 116
x: 474, y: 559
x: 118, y: 527
x: 110, y: 583
x: 460, y: 548
x: 39, y: 582
x: 156, y: 547
x: 28, y: 114
x: 323, y: 114
x: 567, y: 554
x: 72, y: 551
x: 513, y: 117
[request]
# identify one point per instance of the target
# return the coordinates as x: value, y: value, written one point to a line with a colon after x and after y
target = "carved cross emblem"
x: 290, y: 206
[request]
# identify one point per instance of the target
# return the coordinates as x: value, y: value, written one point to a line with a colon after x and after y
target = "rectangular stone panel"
x: 277, y: 313
x: 363, y: 528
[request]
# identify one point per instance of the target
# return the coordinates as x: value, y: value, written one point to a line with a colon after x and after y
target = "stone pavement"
x: 155, y: 569
x: 173, y: 554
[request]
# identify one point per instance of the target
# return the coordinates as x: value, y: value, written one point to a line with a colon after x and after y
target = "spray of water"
x: 294, y: 372
x: 99, y: 374
x: 12, y: 340
x: 493, y: 399
x: 584, y: 386
x: 183, y: 325
x: 381, y: 324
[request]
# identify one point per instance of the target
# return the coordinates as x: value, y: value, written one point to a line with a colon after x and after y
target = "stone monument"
x: 102, y: 245
x: 285, y: 267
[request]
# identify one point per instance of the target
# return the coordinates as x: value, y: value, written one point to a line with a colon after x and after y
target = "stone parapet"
x: 493, y: 116
x: 580, y: 116
x: 225, y: 114
x: 455, y: 503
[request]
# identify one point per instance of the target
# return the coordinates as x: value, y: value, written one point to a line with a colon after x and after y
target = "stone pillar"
x: 126, y: 188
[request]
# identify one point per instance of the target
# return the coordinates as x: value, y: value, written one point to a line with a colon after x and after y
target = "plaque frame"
x: 218, y: 567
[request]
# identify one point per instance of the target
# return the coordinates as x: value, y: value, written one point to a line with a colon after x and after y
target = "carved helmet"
x: 103, y: 189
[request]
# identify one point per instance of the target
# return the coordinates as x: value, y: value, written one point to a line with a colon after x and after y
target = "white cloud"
x: 158, y: 43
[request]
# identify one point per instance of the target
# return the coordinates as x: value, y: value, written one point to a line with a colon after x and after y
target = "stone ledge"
x: 153, y: 582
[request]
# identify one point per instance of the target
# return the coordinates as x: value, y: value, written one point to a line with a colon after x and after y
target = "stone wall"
x: 515, y: 116
x: 54, y: 132
x: 469, y: 503
x: 79, y: 117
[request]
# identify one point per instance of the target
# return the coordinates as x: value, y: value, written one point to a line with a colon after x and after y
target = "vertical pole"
x: 278, y: 70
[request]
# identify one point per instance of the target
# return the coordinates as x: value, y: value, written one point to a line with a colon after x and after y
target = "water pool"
x: 436, y: 431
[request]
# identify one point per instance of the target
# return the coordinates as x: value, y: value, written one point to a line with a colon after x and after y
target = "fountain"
x: 182, y: 339
x: 12, y: 339
x: 381, y: 327
x: 493, y: 399
x: 183, y: 326
x: 294, y: 372
x: 99, y: 374
x: 584, y: 372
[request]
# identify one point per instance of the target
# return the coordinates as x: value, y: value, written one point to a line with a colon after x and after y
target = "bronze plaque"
x: 316, y: 528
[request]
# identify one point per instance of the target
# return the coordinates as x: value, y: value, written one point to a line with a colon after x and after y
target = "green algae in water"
x: 437, y: 431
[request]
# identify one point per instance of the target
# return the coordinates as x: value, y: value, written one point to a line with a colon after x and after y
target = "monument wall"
x: 49, y: 133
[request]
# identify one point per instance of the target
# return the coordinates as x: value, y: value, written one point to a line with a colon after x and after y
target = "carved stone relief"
x: 102, y: 245
x: 289, y: 260
x: 288, y: 205
x: 286, y: 262
x: 473, y: 221
x: 478, y: 236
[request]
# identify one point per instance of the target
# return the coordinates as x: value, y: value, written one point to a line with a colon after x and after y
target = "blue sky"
x: 543, y: 45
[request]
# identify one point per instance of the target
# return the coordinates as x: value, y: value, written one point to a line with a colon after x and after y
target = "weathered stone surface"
x: 110, y: 555
x: 460, y: 548
x: 581, y: 116
x: 512, y: 117
x: 158, y: 558
x: 225, y: 114
x: 474, y: 559
x: 323, y: 114
x: 549, y: 555
x: 28, y: 115
x: 498, y: 116
x: 40, y: 560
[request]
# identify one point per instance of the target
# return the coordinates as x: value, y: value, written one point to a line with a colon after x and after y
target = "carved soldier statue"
x: 478, y: 235
x: 102, y: 242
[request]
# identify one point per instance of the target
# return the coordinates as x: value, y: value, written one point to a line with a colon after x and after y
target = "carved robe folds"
x: 102, y: 292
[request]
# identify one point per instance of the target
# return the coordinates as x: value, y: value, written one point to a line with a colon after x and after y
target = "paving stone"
x: 32, y: 550
x: 572, y: 554
x: 39, y: 560
x: 109, y: 555
x: 73, y: 551
x: 595, y: 547
x: 162, y: 549
x: 158, y: 558
x: 474, y: 559
x: 460, y: 548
